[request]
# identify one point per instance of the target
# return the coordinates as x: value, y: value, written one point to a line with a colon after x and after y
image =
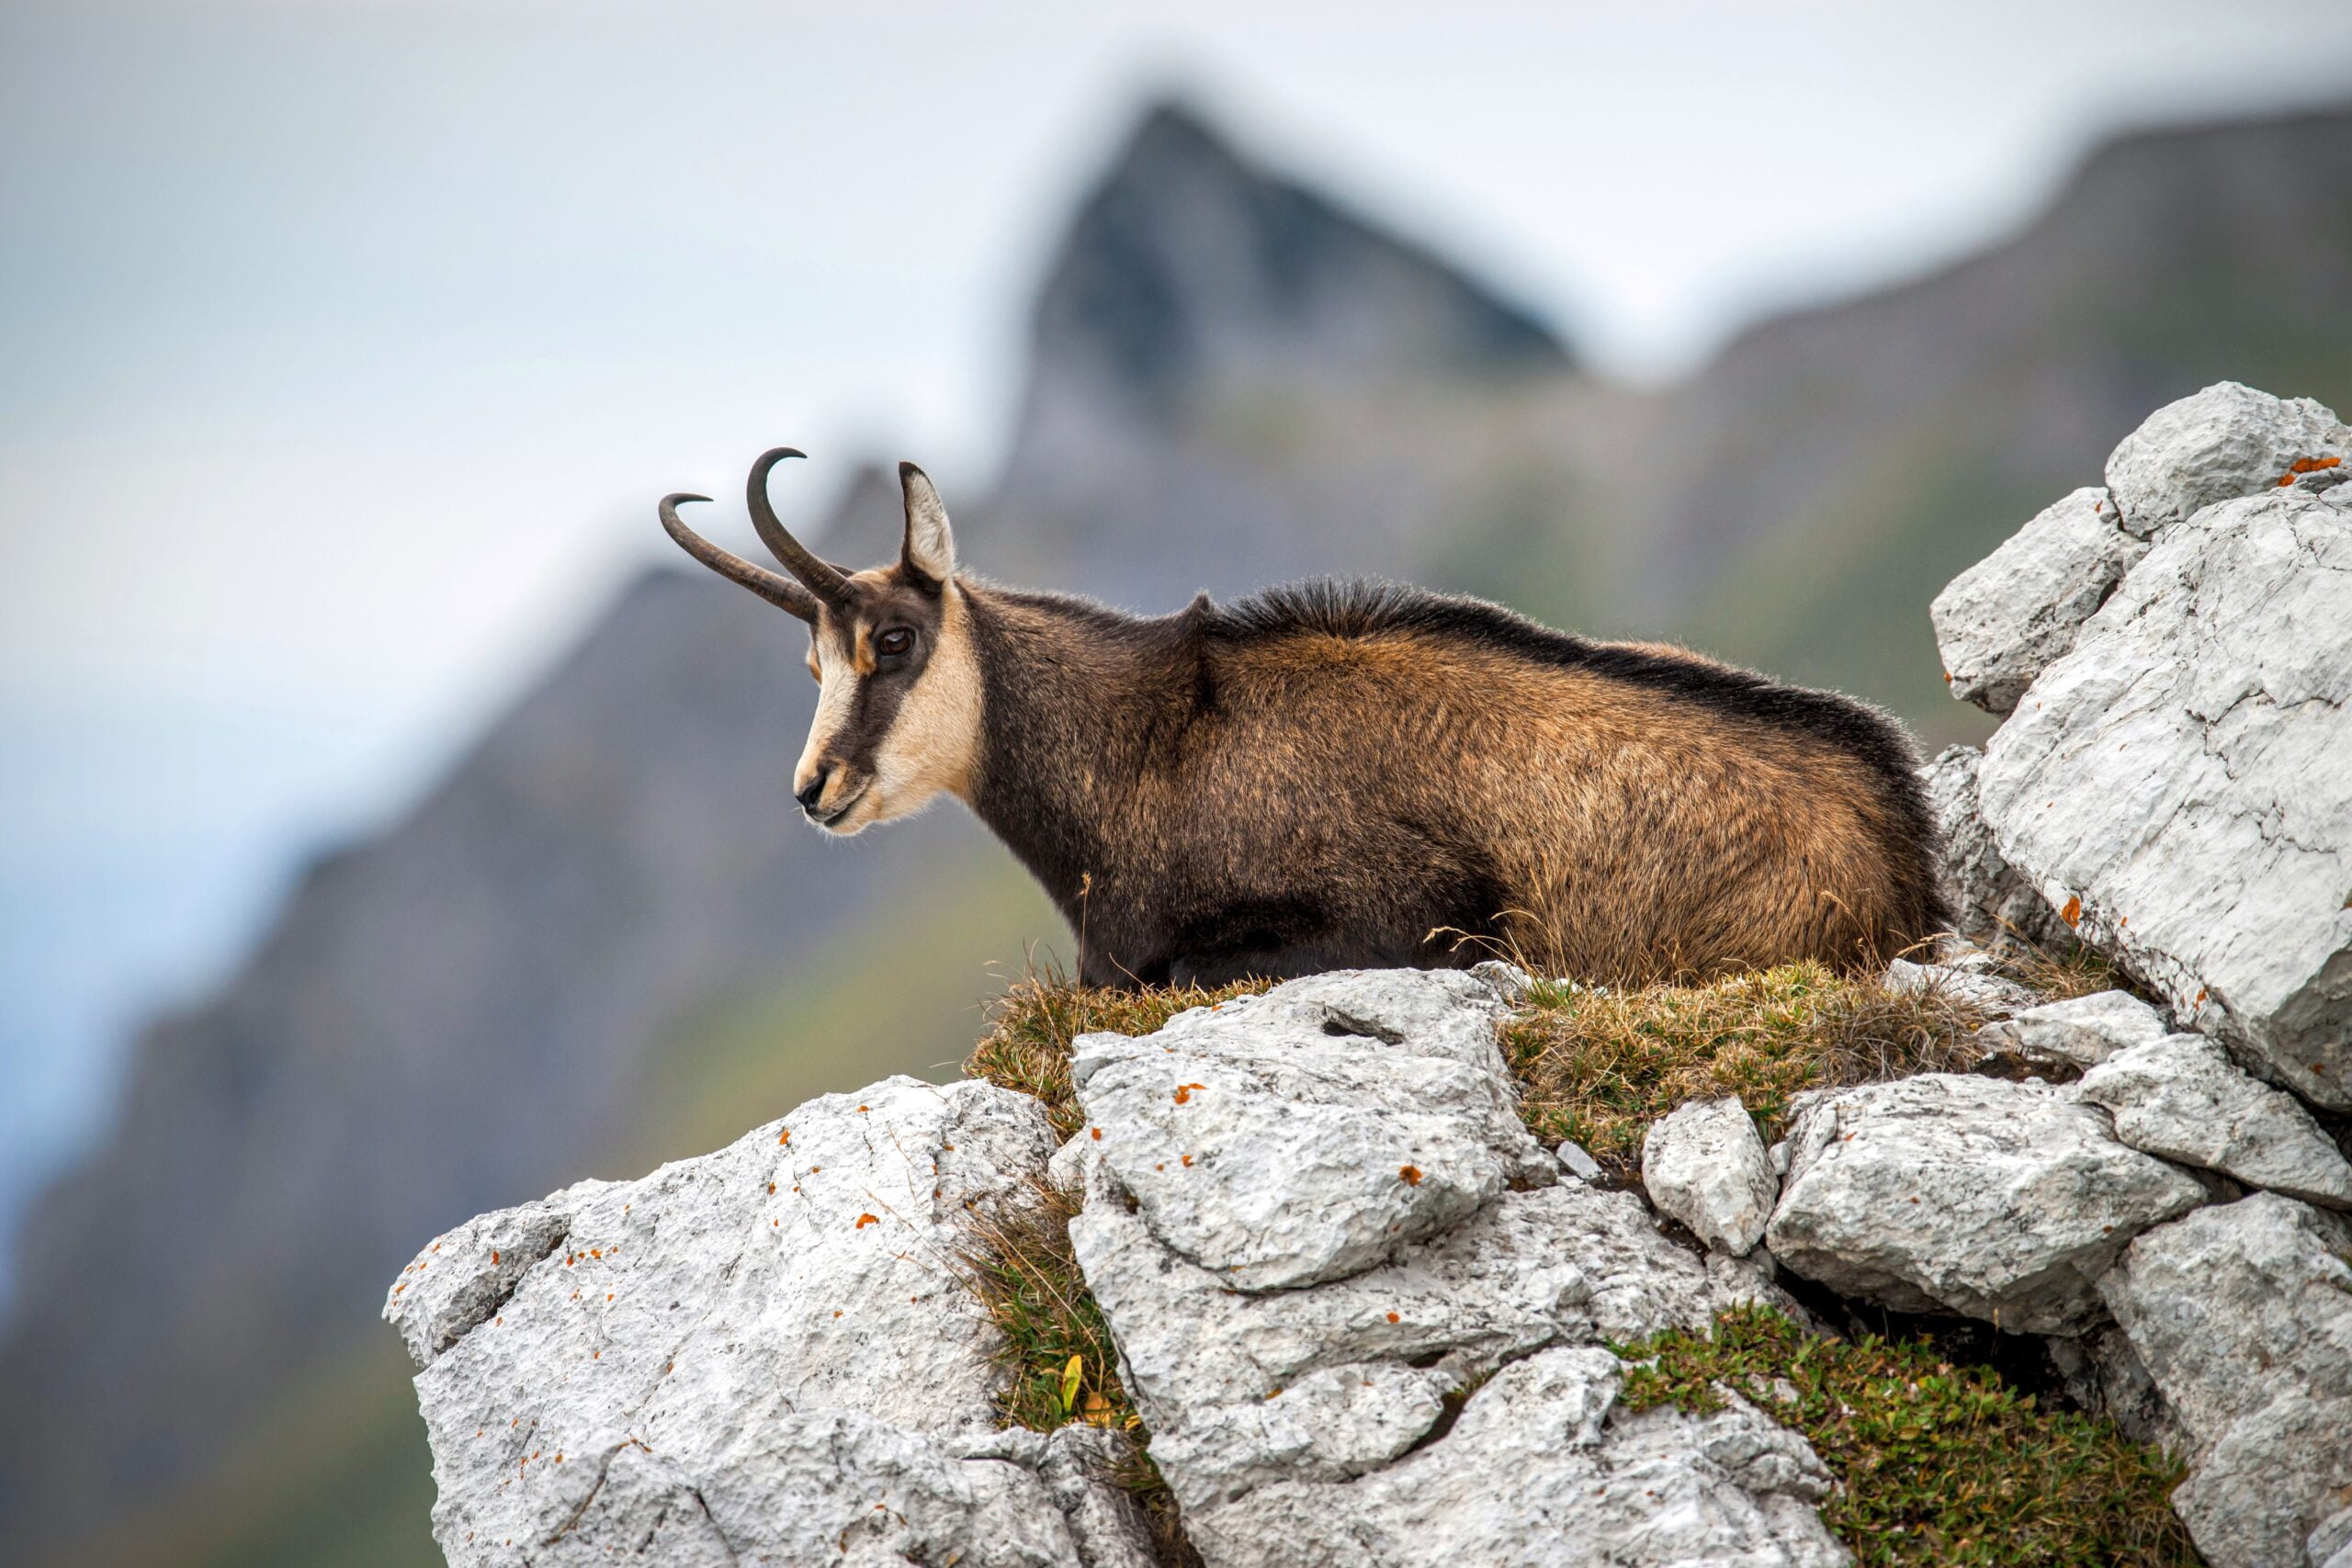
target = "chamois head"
x: 898, y: 705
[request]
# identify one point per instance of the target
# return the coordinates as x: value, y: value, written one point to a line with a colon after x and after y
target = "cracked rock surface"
x: 1307, y: 1134
x: 1704, y: 1164
x: 2242, y: 1314
x: 2012, y: 613
x: 2081, y: 1032
x: 1540, y: 1468
x: 2176, y: 783
x: 1991, y: 902
x: 1419, y: 1390
x: 2001, y: 1201
x: 2181, y: 1097
x: 2218, y: 445
x: 759, y: 1354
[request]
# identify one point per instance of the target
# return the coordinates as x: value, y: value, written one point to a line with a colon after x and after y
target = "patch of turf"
x: 1600, y: 1065
x: 1032, y: 1025
x: 1056, y: 1351
x: 1941, y: 1465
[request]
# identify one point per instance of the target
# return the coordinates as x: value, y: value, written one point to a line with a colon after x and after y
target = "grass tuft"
x: 1598, y: 1065
x: 1941, y: 1465
x: 1032, y: 1025
x: 1056, y: 1351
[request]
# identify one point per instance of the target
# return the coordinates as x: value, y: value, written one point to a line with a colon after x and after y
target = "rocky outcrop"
x: 1362, y: 1414
x: 2004, y: 1201
x: 763, y: 1352
x: 2242, y: 1315
x: 766, y: 1351
x: 2199, y: 708
x: 2170, y: 783
x: 2181, y: 1097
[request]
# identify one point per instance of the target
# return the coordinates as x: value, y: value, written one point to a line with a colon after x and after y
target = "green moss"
x: 1940, y: 1465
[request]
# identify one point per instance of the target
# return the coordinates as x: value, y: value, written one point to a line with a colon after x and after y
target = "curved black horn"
x: 824, y: 580
x: 781, y: 591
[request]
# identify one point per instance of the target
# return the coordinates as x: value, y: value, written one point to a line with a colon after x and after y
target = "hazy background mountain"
x: 605, y: 939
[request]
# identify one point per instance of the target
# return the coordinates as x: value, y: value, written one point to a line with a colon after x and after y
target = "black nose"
x: 808, y: 798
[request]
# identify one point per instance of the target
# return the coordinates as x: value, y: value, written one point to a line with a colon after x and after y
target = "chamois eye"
x: 894, y: 642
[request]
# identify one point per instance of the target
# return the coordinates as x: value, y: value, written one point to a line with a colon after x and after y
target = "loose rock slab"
x: 1998, y: 623
x: 2174, y: 784
x: 1328, y: 1398
x: 2004, y: 1201
x: 2182, y: 1098
x: 2081, y: 1032
x: 2225, y: 442
x: 763, y: 1350
x: 1306, y: 1133
x: 2243, y: 1314
x: 1705, y: 1164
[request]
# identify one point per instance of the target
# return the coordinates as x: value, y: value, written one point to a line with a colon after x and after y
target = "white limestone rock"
x: 1705, y: 1164
x: 2176, y: 784
x: 1541, y: 1468
x: 2225, y: 442
x: 2004, y: 618
x: 2081, y: 1032
x: 1990, y: 901
x: 2242, y: 1315
x: 1330, y: 1395
x: 1999, y: 1200
x: 1310, y: 1132
x: 1577, y: 1162
x: 1567, y: 1263
x: 761, y: 1350
x: 2181, y: 1097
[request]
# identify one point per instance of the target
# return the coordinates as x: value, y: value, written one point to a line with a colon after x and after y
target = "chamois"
x: 1335, y: 775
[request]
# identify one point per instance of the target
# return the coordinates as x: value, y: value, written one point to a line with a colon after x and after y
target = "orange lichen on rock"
x: 1185, y: 1091
x: 866, y: 1220
x: 2073, y: 913
x: 1411, y: 1174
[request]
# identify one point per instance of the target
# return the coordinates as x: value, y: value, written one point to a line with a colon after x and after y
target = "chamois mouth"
x: 827, y: 819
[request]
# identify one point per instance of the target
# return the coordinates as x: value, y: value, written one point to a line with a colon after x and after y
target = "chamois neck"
x: 1079, y: 703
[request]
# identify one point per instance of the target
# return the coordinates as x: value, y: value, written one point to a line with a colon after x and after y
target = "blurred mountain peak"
x: 1189, y: 271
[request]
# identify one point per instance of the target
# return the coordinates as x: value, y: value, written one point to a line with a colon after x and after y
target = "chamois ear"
x: 930, y: 549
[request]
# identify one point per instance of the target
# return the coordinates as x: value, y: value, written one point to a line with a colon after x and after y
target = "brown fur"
x: 1333, y: 776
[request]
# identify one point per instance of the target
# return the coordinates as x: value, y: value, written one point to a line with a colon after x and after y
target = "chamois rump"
x: 1349, y: 775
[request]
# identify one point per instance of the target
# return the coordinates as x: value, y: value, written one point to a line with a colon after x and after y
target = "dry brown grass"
x: 1598, y: 1065
x: 1032, y: 1025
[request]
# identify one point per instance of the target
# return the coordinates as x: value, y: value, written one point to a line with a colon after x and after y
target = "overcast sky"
x: 346, y: 345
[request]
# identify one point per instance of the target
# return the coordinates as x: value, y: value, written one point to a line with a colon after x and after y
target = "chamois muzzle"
x: 820, y: 583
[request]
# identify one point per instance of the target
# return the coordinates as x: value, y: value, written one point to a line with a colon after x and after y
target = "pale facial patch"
x: 932, y: 740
